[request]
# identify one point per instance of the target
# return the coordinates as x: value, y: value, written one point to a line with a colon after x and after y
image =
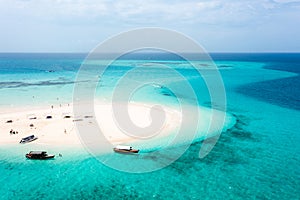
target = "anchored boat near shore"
x: 39, y: 155
x: 125, y: 149
x: 28, y: 139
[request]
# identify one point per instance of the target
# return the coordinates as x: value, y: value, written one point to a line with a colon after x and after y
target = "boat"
x: 125, y: 149
x: 39, y: 155
x: 28, y: 139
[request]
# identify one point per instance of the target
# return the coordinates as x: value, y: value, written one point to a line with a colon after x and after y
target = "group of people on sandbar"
x: 13, y: 132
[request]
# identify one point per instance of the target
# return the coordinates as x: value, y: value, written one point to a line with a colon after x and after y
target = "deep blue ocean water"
x: 256, y: 159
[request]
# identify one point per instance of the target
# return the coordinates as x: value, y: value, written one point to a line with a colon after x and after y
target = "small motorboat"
x: 28, y: 139
x: 125, y: 149
x: 39, y: 155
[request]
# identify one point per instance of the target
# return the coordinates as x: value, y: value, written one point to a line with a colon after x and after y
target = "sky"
x: 217, y: 25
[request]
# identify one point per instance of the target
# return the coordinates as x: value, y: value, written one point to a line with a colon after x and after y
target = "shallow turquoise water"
x: 257, y: 159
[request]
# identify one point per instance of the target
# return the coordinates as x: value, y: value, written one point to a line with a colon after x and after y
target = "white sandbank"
x: 62, y: 132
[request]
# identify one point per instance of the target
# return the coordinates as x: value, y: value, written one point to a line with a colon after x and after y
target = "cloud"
x: 236, y: 12
x: 66, y: 21
x: 286, y: 1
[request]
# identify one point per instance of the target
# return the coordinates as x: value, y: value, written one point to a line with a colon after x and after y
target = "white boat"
x: 125, y: 149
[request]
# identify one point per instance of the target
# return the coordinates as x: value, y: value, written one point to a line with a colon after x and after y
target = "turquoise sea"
x: 256, y: 159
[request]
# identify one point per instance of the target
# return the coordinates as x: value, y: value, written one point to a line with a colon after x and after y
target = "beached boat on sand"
x: 125, y: 149
x: 28, y: 139
x: 39, y: 155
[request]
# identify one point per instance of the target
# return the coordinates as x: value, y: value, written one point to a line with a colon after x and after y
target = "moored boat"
x: 28, y: 139
x: 125, y: 149
x: 39, y: 155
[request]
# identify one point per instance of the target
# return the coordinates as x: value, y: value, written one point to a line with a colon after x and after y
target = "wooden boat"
x: 28, y: 139
x: 39, y: 155
x: 125, y: 149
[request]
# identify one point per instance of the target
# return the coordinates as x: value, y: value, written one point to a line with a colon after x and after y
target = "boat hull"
x: 132, y: 151
x: 39, y: 158
x: 27, y: 141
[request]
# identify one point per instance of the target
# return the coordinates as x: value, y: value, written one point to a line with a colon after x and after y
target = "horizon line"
x: 209, y: 52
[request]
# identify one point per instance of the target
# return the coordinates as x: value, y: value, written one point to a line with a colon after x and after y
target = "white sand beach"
x: 61, y: 130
